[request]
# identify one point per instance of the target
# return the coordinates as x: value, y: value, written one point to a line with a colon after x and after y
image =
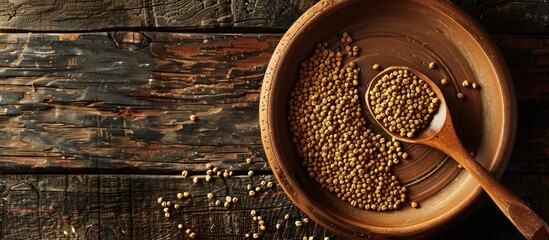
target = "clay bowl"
x: 395, y: 33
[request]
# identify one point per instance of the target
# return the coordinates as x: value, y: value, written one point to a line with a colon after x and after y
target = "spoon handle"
x: 525, y: 219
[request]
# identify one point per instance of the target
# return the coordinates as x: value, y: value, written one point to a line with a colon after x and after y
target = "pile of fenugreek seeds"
x: 403, y: 103
x: 331, y: 135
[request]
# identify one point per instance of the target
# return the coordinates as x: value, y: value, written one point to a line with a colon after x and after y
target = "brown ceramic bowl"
x: 398, y: 33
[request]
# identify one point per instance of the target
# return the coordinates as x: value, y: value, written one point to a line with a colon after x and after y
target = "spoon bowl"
x: 440, y: 134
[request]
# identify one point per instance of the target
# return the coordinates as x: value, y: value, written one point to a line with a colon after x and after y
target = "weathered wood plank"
x: 503, y: 17
x: 72, y: 15
x: 125, y: 207
x: 77, y: 102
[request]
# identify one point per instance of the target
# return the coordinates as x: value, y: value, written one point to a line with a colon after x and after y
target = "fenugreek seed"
x: 164, y: 204
x: 270, y: 184
x: 465, y: 83
x: 287, y: 216
x: 432, y: 65
x: 311, y: 238
x: 256, y: 235
x: 326, y: 238
x: 192, y: 235
x: 208, y: 166
x: 217, y: 202
x: 180, y: 226
x: 254, y: 218
x: 444, y: 81
x: 215, y: 169
x: 226, y: 204
x: 261, y: 222
x: 474, y: 85
x: 195, y: 179
x: 210, y: 195
x: 259, y: 218
x: 184, y: 173
x: 460, y: 96
x: 250, y: 173
x: 247, y: 235
x: 251, y: 193
x: 414, y: 204
x: 262, y: 228
x: 167, y: 215
x: 460, y: 166
x: 188, y: 231
x: 166, y: 209
x: 257, y: 189
x: 176, y: 206
x: 186, y: 194
x: 192, y: 117
x: 263, y: 183
x: 226, y: 174
x: 235, y: 199
x: 277, y: 226
x: 253, y: 212
x: 298, y: 223
x: 248, y: 160
x: 159, y: 200
x: 208, y: 178
x: 305, y: 220
x: 228, y: 199
x: 249, y: 187
x: 375, y: 66
x: 179, y: 195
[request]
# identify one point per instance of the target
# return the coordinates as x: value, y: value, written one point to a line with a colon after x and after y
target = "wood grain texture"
x: 76, y: 102
x: 125, y: 207
x: 518, y: 16
x: 73, y: 15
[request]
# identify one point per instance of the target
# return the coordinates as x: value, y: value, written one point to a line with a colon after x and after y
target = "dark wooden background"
x: 95, y: 118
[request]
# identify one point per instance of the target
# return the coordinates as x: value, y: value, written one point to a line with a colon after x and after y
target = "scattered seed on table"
x: 253, y: 212
x: 210, y: 195
x: 188, y: 231
x: 168, y: 203
x: 226, y: 204
x: 247, y: 235
x: 166, y: 209
x: 326, y: 238
x: 270, y: 184
x: 248, y: 160
x: 262, y: 228
x: 257, y: 189
x: 226, y: 174
x: 195, y: 179
x: 287, y: 216
x: 444, y: 81
x: 375, y: 66
x: 192, y: 235
x: 159, y: 200
x: 228, y: 199
x: 277, y: 226
x: 164, y: 204
x: 249, y: 187
x: 261, y: 222
x: 305, y: 220
x: 263, y: 183
x: 460, y: 96
x: 179, y: 195
x: 217, y: 202
x: 184, y: 173
x: 186, y: 194
x: 311, y: 238
x: 432, y: 65
x: 251, y: 193
x: 256, y: 235
x: 254, y: 218
x: 259, y: 218
x: 298, y: 223
x: 176, y: 206
x: 465, y: 83
x: 460, y: 166
x: 180, y: 226
x: 235, y: 199
x: 167, y: 215
x: 250, y: 173
x: 208, y: 178
x: 215, y: 169
x: 192, y: 117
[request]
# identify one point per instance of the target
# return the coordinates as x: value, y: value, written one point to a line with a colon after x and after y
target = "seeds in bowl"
x: 403, y: 103
x: 332, y: 138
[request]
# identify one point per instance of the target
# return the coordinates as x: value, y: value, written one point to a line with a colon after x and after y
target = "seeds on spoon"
x: 403, y: 102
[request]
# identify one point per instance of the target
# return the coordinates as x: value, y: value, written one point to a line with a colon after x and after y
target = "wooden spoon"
x: 440, y: 134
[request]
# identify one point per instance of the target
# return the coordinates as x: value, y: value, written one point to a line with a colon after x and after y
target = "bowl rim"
x: 445, y: 221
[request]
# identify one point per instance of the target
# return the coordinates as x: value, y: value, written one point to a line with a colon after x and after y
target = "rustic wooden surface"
x: 95, y: 128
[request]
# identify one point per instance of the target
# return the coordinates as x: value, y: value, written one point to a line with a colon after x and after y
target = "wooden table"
x: 95, y: 106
